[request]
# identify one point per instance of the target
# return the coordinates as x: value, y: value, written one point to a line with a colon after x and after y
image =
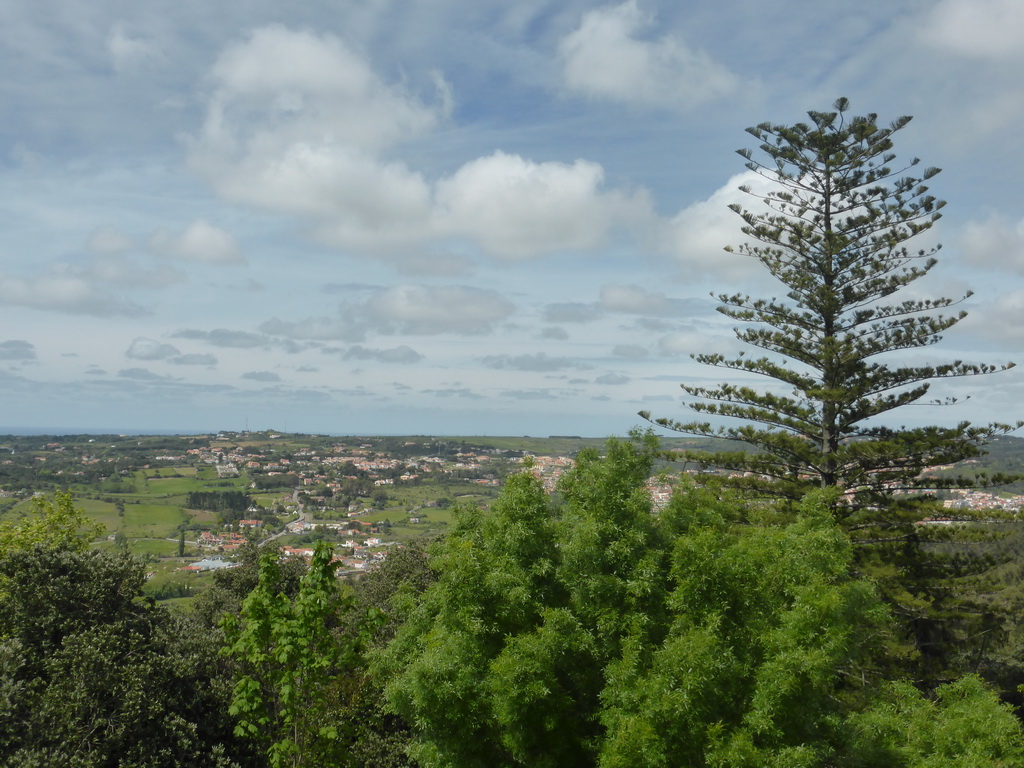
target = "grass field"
x: 169, y: 472
x: 168, y: 573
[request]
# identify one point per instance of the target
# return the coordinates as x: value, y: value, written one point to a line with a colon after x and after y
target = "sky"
x: 455, y: 217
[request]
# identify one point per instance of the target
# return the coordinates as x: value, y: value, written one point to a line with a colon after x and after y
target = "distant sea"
x: 29, y: 431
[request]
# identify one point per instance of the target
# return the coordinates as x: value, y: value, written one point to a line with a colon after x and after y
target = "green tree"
x: 834, y: 233
x: 54, y: 522
x: 297, y: 670
x: 230, y: 586
x: 93, y: 675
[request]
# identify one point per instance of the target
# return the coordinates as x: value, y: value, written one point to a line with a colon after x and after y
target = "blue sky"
x: 453, y: 217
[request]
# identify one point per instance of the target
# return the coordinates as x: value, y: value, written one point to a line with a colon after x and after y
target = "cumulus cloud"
x: 299, y: 123
x: 998, y: 323
x: 612, y: 378
x: 632, y: 299
x: 515, y: 208
x: 995, y: 242
x: 402, y: 354
x: 606, y: 58
x: 424, y: 310
x: 416, y: 310
x: 311, y: 81
x: 17, y: 349
x: 148, y: 349
x: 689, y: 342
x: 296, y: 123
x: 538, y: 362
x: 201, y: 241
x: 93, y: 287
x: 67, y: 291
x: 985, y: 29
x: 698, y: 235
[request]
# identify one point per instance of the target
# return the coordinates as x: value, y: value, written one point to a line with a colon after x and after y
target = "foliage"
x: 296, y: 670
x: 962, y: 727
x: 91, y: 675
x: 54, y: 522
x: 231, y: 586
x: 394, y: 584
x: 218, y: 501
x: 597, y: 633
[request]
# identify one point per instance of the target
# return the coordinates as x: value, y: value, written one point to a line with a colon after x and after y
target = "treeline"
x: 218, y: 501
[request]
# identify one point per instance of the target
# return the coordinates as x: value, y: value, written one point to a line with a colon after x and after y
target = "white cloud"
x: 311, y: 86
x: 415, y: 310
x: 201, y: 241
x: 120, y: 270
x: 633, y: 299
x: 691, y: 342
x: 64, y: 291
x: 984, y: 29
x: 296, y: 123
x: 697, y: 236
x: 149, y: 349
x: 418, y: 310
x: 605, y: 58
x: 613, y: 379
x: 998, y: 323
x: 995, y: 243
x: 299, y: 123
x: 517, y: 208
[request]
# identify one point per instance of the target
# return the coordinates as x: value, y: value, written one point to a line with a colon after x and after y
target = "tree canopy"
x: 594, y: 632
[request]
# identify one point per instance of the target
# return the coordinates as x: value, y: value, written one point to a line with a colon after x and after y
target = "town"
x: 187, y: 503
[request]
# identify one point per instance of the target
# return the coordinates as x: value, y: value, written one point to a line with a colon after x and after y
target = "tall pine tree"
x: 834, y: 231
